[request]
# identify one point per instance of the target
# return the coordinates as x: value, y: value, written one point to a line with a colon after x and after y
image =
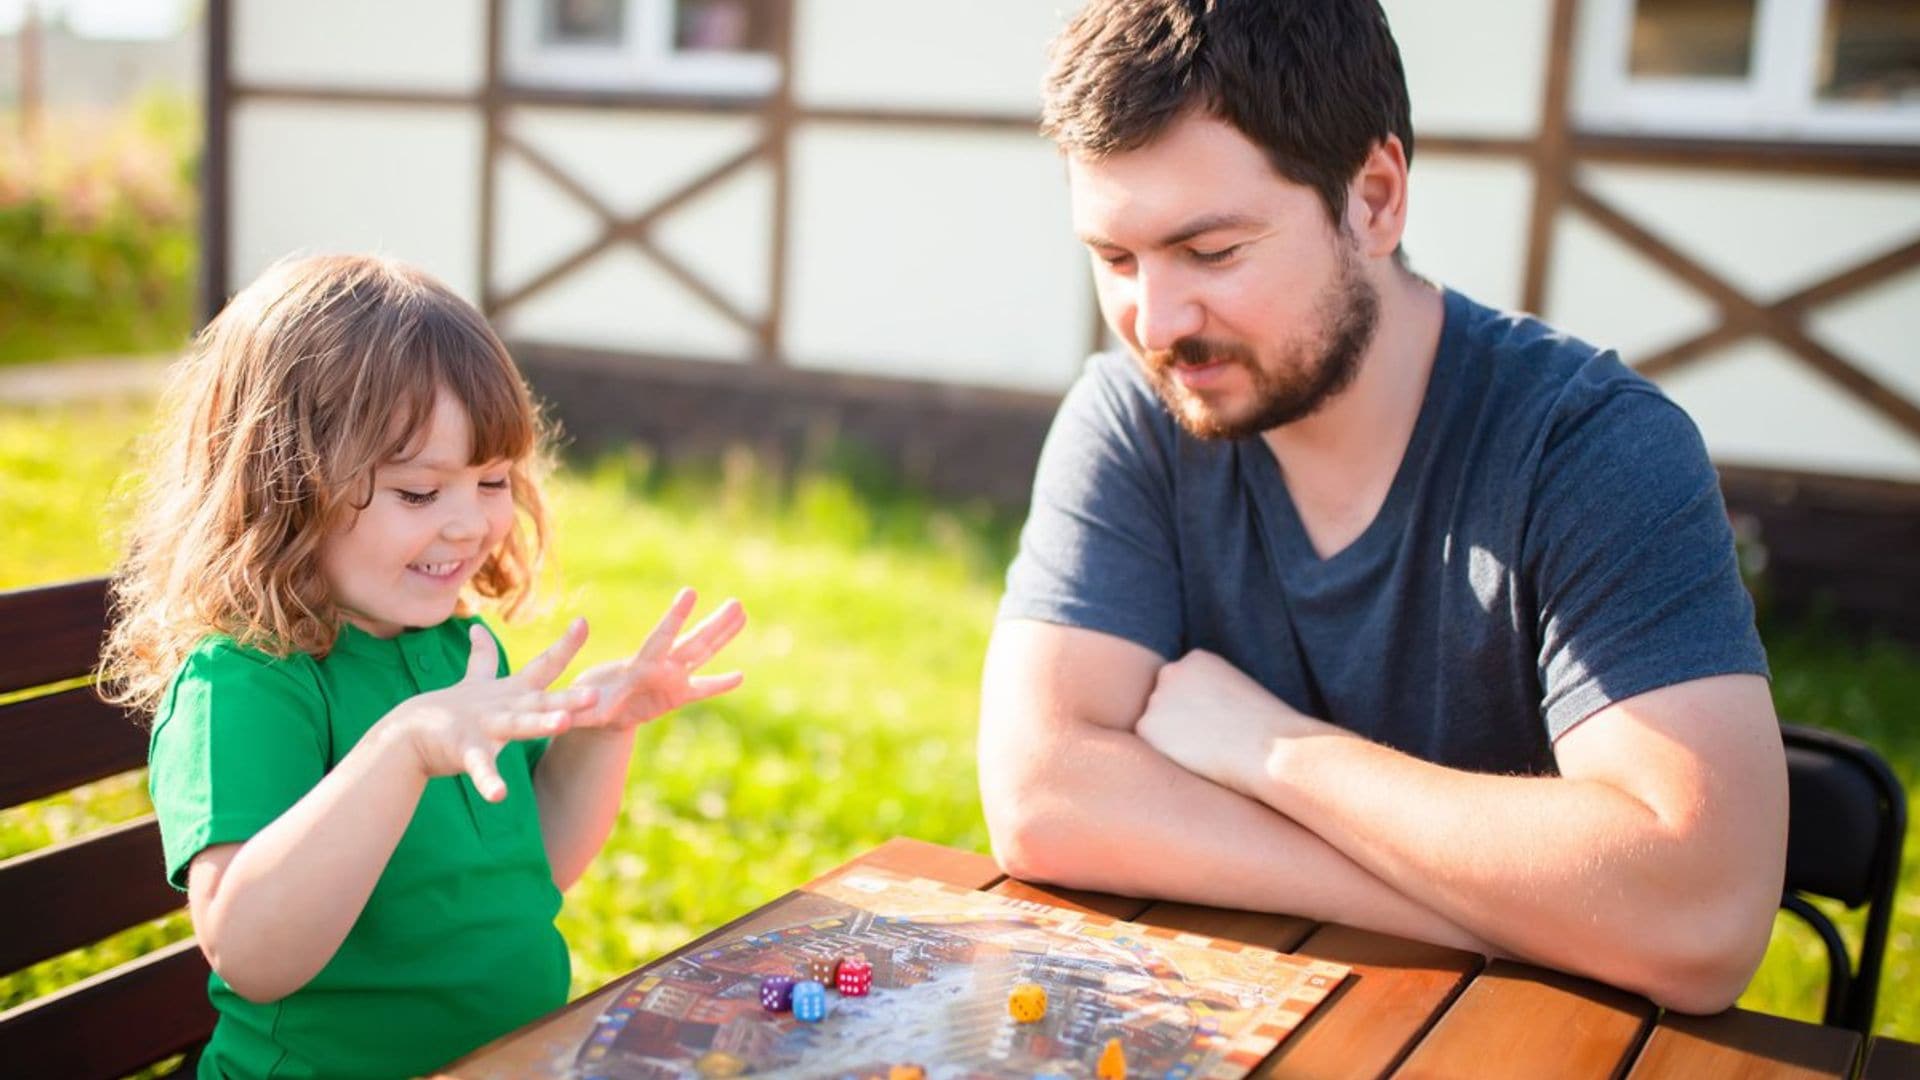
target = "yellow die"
x: 1028, y: 1002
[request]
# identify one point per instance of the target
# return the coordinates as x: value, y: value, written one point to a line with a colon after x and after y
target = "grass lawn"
x: 869, y: 614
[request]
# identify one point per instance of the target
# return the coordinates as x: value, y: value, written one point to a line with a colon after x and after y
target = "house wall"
x: 921, y: 228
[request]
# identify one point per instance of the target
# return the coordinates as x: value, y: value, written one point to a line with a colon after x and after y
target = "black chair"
x: 1846, y: 818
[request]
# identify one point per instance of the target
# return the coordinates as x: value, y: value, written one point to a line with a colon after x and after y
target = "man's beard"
x: 1349, y: 310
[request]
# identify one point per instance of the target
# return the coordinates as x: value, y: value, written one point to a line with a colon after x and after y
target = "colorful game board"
x: 945, y: 959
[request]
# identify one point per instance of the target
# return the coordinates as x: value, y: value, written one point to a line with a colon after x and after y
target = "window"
x: 1842, y: 70
x: 671, y: 46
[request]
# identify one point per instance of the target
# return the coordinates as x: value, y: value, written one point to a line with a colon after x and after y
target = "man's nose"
x: 1164, y: 312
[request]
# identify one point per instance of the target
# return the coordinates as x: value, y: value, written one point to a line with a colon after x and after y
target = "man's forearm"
x: 1575, y: 874
x: 1110, y: 813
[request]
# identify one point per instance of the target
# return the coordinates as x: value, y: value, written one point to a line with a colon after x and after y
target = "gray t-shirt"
x: 1553, y: 542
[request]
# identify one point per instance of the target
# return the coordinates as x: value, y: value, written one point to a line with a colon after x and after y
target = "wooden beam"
x: 1783, y: 326
x: 1551, y: 164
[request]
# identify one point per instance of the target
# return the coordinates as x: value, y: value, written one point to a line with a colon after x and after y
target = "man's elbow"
x: 1707, y: 963
x: 1029, y: 842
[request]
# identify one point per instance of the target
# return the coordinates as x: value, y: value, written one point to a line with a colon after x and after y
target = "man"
x: 1344, y: 595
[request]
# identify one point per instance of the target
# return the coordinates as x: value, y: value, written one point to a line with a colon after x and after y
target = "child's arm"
x: 583, y: 774
x: 271, y: 912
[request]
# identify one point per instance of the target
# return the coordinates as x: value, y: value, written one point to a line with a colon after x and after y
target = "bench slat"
x: 80, y: 892
x: 50, y: 633
x: 52, y: 743
x: 114, y: 1023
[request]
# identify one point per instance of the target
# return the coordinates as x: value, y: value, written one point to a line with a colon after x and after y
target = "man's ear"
x: 1377, y: 199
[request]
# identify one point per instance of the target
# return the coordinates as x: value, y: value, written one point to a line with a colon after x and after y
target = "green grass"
x: 869, y: 613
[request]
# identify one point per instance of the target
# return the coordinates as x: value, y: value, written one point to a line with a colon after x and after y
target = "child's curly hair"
x: 321, y: 370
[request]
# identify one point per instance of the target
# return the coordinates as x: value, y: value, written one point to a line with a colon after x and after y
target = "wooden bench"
x: 76, y: 893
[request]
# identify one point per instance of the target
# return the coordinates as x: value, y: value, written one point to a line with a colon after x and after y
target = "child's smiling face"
x: 433, y: 521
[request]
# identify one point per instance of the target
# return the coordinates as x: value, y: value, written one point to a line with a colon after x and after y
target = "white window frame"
x: 1776, y: 100
x: 646, y: 61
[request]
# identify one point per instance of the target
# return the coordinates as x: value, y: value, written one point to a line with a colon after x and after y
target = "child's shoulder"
x: 219, y: 665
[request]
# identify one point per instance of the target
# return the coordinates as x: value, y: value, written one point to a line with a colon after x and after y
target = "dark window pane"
x: 1693, y: 38
x: 583, y: 22
x: 1871, y: 51
x: 723, y: 25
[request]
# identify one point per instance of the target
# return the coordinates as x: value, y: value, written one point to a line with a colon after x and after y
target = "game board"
x: 944, y: 960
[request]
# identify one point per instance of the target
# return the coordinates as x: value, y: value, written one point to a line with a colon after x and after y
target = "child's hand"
x: 462, y: 728
x: 660, y: 677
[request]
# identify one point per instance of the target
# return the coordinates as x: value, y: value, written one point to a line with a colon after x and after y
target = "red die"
x: 855, y: 977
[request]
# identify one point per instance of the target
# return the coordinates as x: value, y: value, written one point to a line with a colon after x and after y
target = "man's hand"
x: 1214, y: 721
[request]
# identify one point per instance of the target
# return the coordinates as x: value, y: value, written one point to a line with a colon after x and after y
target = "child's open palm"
x: 461, y: 729
x: 661, y: 676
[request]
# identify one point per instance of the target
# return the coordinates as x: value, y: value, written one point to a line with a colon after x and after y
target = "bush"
x: 98, y: 240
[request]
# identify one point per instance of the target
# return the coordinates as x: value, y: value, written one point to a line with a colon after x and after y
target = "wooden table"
x: 1408, y: 1010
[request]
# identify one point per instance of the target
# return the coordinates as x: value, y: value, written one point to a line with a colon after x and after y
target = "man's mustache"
x: 1194, y: 352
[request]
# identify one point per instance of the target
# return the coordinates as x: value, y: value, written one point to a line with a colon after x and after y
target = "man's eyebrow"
x: 1209, y: 223
x: 1199, y: 226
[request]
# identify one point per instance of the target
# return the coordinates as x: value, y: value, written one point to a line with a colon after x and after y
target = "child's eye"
x: 494, y: 485
x: 415, y: 498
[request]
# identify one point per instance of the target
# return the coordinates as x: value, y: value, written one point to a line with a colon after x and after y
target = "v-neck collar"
x: 1292, y: 549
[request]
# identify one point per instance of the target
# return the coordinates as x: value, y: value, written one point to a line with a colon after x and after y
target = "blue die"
x: 809, y: 1001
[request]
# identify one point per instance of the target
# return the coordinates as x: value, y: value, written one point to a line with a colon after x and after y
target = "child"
x: 373, y: 820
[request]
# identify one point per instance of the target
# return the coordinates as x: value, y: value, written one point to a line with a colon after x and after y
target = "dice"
x: 906, y: 1072
x: 854, y: 977
x: 1027, y: 1003
x: 776, y: 993
x: 819, y: 969
x: 809, y: 1001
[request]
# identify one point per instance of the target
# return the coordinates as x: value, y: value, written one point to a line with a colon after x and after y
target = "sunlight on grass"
x: 868, y: 615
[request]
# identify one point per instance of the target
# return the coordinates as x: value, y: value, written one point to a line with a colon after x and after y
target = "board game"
x: 944, y: 961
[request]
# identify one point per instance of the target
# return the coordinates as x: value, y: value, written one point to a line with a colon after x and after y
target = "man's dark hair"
x: 1314, y: 83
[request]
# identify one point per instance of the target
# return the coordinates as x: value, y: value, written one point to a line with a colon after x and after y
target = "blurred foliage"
x: 869, y: 608
x: 97, y: 231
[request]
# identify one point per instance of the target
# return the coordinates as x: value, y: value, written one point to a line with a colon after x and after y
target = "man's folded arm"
x: 1653, y: 862
x: 1072, y: 796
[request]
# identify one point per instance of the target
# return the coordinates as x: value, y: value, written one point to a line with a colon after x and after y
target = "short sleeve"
x: 240, y: 738
x: 1099, y: 549
x: 1632, y: 559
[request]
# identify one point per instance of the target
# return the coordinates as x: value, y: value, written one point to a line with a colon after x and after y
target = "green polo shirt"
x: 456, y: 944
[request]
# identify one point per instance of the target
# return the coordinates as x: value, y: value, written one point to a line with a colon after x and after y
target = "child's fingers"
x: 543, y: 669
x: 711, y: 635
x: 661, y: 639
x: 703, y: 687
x: 477, y: 762
x: 483, y: 657
x: 576, y: 699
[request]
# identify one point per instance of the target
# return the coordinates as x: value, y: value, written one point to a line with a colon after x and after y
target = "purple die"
x: 776, y: 993
x: 809, y: 1001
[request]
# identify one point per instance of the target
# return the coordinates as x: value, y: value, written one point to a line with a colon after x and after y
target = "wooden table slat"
x: 1396, y: 989
x: 1281, y: 933
x: 917, y: 858
x: 1521, y: 1021
x: 1890, y: 1058
x: 1746, y: 1045
x: 1099, y: 903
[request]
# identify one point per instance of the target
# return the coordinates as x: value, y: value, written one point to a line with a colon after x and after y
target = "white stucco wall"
x: 1474, y: 67
x: 946, y: 256
x: 403, y: 181
x: 362, y: 44
x: 976, y: 56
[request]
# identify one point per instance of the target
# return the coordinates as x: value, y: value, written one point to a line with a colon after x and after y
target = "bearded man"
x: 1347, y: 596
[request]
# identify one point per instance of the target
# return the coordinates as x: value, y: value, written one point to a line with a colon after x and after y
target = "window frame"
x: 1777, y: 100
x: 644, y: 61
